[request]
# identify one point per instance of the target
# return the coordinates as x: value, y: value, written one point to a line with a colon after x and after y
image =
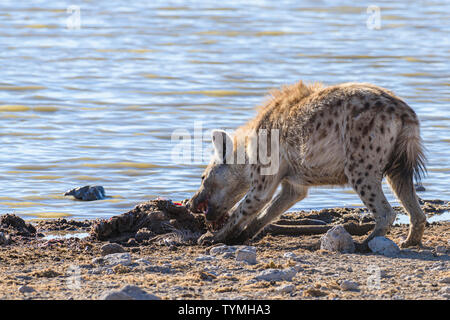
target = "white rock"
x: 445, y: 280
x: 348, y: 285
x: 246, y: 255
x: 276, y: 274
x: 214, y: 251
x: 111, y: 248
x: 117, y: 258
x: 289, y: 255
x: 129, y: 292
x: 287, y: 288
x: 205, y: 258
x: 337, y: 239
x: 26, y: 289
x: 384, y: 246
x: 441, y: 249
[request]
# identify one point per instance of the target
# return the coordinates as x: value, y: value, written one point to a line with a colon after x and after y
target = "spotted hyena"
x: 348, y: 134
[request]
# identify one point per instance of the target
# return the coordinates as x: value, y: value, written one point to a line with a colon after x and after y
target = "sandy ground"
x: 71, y: 268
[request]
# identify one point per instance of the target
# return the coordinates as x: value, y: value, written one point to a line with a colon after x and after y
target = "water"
x: 98, y: 105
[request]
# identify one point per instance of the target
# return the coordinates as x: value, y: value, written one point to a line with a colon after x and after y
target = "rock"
x: 4, y: 239
x: 246, y: 255
x: 129, y: 292
x: 143, y: 261
x: 111, y: 248
x: 445, y: 280
x: 289, y: 255
x: 214, y: 251
x: 26, y: 289
x: 441, y: 249
x: 276, y: 274
x: 337, y: 239
x: 384, y: 246
x: 287, y: 288
x: 87, y: 193
x: 114, y: 259
x: 204, y: 258
x: 348, y: 285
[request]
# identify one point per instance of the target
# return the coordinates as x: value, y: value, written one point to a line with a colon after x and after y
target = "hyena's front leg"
x: 261, y: 191
x: 286, y: 198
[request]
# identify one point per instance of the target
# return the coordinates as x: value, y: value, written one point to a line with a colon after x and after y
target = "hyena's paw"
x: 411, y: 243
x: 206, y: 239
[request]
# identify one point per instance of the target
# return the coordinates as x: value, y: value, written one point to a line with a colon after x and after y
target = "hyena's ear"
x: 223, y: 145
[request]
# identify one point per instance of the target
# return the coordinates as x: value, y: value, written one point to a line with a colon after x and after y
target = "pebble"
x: 129, y: 292
x: 4, y: 239
x: 246, y: 255
x: 114, y: 259
x: 348, y: 285
x: 26, y: 289
x: 110, y: 248
x: 441, y: 249
x: 337, y: 239
x: 445, y: 280
x: 287, y: 288
x: 384, y: 246
x: 205, y: 258
x: 276, y: 274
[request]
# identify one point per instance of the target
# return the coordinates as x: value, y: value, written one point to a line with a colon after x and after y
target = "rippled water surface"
x: 99, y: 105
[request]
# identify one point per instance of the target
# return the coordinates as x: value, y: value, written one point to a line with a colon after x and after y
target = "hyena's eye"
x: 203, y: 178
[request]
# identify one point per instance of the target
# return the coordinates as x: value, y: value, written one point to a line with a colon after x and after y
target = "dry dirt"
x: 33, y: 267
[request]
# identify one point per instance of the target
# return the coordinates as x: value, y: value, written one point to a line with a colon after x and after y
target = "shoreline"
x: 72, y: 268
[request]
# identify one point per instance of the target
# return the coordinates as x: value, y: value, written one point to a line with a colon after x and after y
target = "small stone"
x: 277, y: 274
x: 289, y: 255
x: 221, y: 249
x: 445, y: 280
x: 114, y: 259
x: 337, y: 239
x: 384, y: 246
x: 26, y: 289
x: 287, y: 288
x: 204, y: 258
x: 441, y: 249
x: 129, y: 292
x: 111, y: 248
x: 246, y: 255
x: 4, y: 239
x: 348, y: 285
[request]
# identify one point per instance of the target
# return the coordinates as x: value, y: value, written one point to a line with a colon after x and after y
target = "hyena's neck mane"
x: 280, y: 102
x: 269, y: 113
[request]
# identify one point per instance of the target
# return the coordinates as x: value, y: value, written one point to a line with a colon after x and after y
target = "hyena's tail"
x: 408, y: 158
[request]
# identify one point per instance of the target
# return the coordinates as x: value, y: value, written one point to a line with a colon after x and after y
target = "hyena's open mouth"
x: 213, y: 225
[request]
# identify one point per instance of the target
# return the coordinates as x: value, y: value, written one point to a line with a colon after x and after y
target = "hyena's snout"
x: 198, y: 203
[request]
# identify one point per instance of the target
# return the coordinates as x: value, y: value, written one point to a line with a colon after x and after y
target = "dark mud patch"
x: 148, y: 220
x: 15, y: 226
x: 62, y: 224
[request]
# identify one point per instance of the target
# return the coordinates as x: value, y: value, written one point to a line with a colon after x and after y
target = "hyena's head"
x: 224, y: 183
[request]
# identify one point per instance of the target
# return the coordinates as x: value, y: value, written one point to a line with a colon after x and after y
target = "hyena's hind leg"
x: 370, y: 191
x: 403, y: 188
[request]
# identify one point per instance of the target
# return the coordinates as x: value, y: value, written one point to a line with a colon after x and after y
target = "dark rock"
x: 87, y: 193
